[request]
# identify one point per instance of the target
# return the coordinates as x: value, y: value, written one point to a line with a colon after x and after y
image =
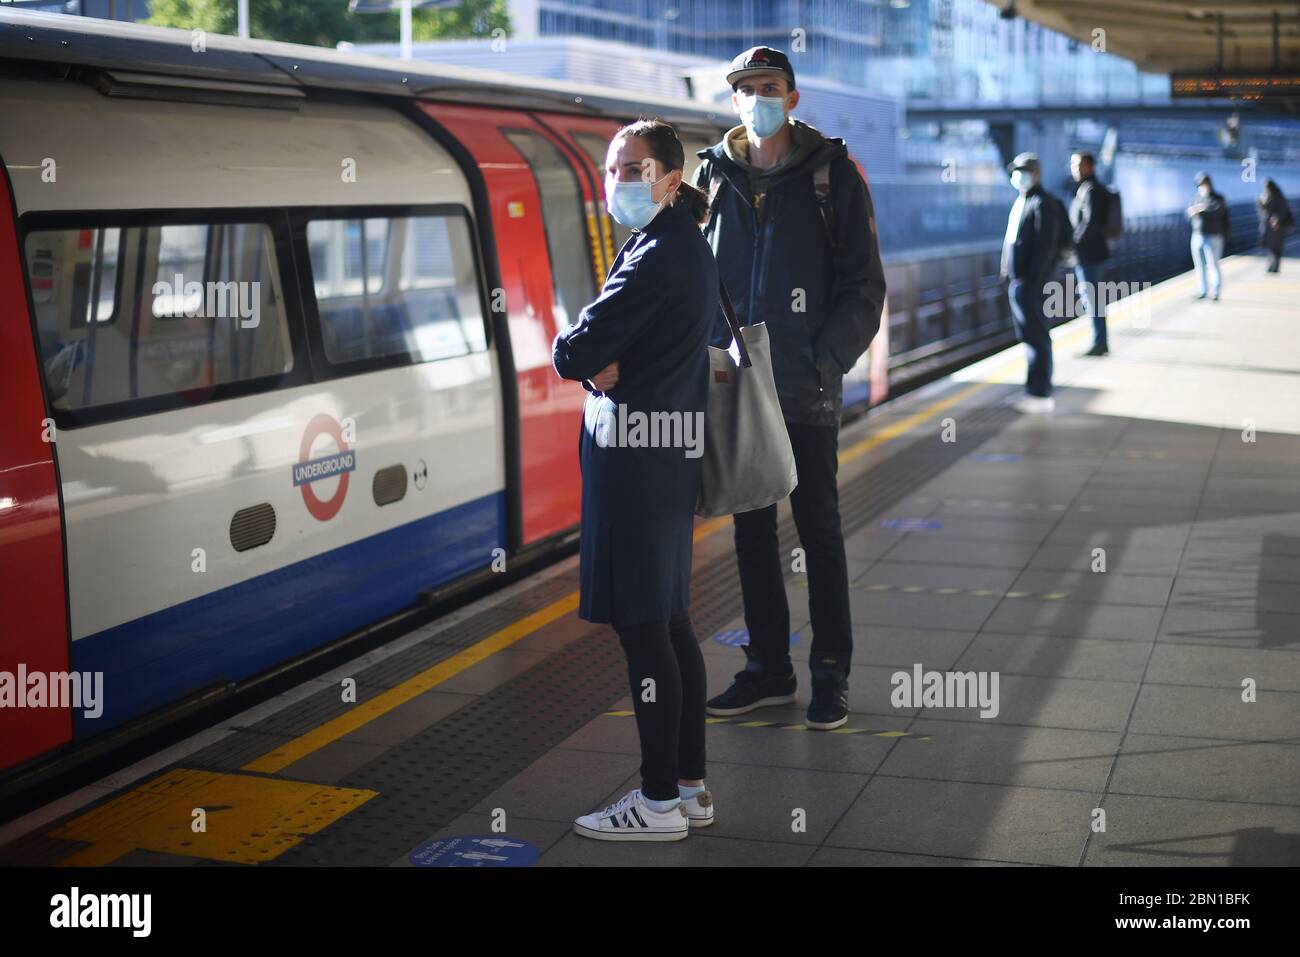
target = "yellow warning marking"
x: 249, y: 820
x: 949, y: 590
x: 707, y: 528
x: 621, y: 714
x: 706, y: 720
x: 365, y: 712
x: 755, y: 724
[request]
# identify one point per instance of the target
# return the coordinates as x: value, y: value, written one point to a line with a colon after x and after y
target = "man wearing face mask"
x: 1037, y: 230
x: 792, y: 225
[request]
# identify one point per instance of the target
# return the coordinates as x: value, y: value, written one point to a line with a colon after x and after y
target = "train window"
x: 177, y: 308
x: 597, y: 147
x: 419, y: 297
x: 564, y: 221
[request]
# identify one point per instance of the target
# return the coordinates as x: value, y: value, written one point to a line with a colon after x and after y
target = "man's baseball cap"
x: 1025, y: 161
x: 760, y: 60
x: 1202, y: 177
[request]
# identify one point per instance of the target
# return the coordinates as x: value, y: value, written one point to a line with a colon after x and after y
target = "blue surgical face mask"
x: 762, y: 115
x: 630, y: 203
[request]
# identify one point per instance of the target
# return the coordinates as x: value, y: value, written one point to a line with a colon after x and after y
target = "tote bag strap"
x: 725, y: 301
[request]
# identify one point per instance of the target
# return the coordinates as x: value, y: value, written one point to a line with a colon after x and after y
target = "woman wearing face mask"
x: 641, y: 350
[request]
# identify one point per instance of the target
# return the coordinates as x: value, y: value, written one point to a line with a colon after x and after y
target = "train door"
x: 553, y: 257
x: 34, y: 635
x: 588, y: 139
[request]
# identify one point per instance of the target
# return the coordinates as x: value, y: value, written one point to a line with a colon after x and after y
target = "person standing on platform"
x: 793, y: 227
x: 1088, y: 214
x: 1209, y: 218
x: 641, y: 350
x: 1275, y: 220
x: 1037, y: 229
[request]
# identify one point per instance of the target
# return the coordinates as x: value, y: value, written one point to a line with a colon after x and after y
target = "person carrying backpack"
x: 1037, y: 239
x: 1090, y: 224
x: 793, y: 228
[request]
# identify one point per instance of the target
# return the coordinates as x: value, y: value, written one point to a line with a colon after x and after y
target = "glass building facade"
x: 954, y: 51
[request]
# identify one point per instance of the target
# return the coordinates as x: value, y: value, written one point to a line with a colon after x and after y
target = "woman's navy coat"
x: 653, y: 316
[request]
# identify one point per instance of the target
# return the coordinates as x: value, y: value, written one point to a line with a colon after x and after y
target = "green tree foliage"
x: 326, y: 22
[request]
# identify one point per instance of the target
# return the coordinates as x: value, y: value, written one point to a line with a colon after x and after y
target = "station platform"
x: 1147, y: 713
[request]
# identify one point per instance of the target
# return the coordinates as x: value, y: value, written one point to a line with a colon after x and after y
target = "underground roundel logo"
x: 329, y: 465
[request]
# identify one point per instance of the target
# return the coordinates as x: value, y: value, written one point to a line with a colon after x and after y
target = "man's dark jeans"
x: 1094, y: 303
x: 816, y: 506
x: 1032, y: 330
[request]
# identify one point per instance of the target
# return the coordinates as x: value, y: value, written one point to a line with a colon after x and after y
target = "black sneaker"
x: 1096, y: 351
x: 830, y: 702
x: 751, y: 690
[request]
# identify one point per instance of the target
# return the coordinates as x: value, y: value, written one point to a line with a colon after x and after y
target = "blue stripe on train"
x: 239, y: 631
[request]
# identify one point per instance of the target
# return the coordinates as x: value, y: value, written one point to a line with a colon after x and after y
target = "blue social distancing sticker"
x: 481, y: 850
x: 738, y: 637
x: 995, y: 457
x: 912, y: 524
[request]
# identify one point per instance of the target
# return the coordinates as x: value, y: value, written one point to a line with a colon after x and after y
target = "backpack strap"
x: 822, y: 190
x: 715, y: 185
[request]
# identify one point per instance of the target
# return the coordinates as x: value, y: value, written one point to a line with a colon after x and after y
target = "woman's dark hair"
x: 663, y: 145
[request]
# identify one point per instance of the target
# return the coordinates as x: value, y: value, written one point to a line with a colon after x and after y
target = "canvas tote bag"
x: 748, y: 463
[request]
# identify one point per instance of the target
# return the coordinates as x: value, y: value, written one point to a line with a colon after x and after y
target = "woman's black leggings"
x: 665, y: 672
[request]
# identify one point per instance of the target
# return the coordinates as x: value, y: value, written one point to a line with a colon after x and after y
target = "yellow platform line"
x: 334, y: 729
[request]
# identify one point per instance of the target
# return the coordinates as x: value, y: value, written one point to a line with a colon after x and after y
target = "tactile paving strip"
x: 451, y: 766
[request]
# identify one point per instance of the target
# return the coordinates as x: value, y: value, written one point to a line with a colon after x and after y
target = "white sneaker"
x: 631, y: 819
x: 699, y: 809
x: 1034, y: 404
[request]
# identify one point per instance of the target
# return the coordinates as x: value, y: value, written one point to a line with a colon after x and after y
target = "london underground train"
x: 275, y: 329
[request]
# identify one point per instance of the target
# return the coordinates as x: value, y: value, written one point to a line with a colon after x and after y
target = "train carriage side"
x: 278, y: 417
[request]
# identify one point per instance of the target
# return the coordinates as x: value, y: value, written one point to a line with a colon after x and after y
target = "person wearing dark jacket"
x: 1031, y: 252
x: 1275, y: 219
x: 1088, y: 221
x: 792, y: 225
x: 1209, y: 218
x: 642, y: 349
